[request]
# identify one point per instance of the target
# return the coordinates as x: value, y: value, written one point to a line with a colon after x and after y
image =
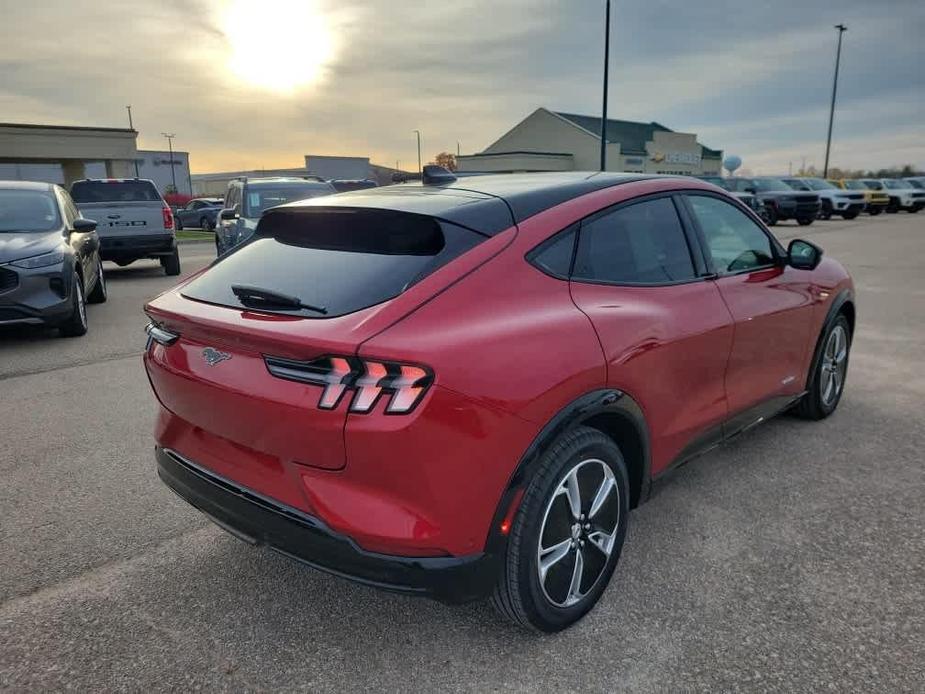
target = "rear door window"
x: 340, y: 261
x: 114, y: 191
x: 641, y: 243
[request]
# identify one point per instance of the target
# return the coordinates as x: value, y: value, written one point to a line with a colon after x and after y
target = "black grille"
x: 11, y: 314
x: 856, y: 196
x: 8, y: 279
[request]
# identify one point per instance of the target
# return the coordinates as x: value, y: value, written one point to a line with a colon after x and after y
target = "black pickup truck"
x: 782, y: 201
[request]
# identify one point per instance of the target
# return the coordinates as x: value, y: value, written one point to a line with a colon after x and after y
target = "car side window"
x: 554, y: 257
x: 733, y: 239
x: 640, y: 243
x: 70, y: 209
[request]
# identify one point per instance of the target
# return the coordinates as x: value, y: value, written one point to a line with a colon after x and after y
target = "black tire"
x: 913, y: 210
x: 171, y: 263
x: 849, y: 215
x: 206, y: 225
x: 825, y: 212
x: 771, y: 216
x: 178, y: 223
x: 874, y: 211
x: 519, y: 595
x: 818, y: 403
x: 99, y: 293
x: 76, y: 324
x: 893, y: 206
x: 218, y: 248
x: 805, y: 221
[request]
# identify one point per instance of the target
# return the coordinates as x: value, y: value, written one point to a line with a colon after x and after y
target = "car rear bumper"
x: 131, y: 247
x: 259, y: 520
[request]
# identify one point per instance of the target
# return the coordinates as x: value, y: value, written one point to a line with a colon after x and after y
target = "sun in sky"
x: 277, y: 45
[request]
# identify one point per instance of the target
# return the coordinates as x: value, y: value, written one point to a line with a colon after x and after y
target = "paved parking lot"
x: 790, y: 560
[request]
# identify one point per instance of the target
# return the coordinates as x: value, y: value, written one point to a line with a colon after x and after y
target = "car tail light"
x: 168, y: 217
x: 403, y: 384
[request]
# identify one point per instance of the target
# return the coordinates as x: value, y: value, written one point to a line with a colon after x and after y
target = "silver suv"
x: 248, y: 198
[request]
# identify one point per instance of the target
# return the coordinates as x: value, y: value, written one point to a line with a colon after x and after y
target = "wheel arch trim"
x: 597, y: 403
x: 844, y: 299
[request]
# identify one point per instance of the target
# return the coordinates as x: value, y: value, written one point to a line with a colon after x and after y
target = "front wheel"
x: 99, y: 293
x: 76, y: 324
x: 178, y: 223
x: 206, y: 224
x: 849, y: 215
x: 567, y: 534
x: 805, y: 221
x: 874, y: 211
x: 825, y: 212
x: 771, y: 216
x: 830, y: 369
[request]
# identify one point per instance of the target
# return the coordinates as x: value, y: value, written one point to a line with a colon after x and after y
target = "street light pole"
x: 604, y: 108
x: 173, y: 173
x: 828, y: 142
x: 418, y: 133
x: 131, y: 126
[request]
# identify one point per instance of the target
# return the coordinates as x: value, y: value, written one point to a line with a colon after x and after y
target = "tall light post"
x: 828, y: 141
x: 418, y: 133
x: 173, y: 173
x: 604, y: 106
x: 131, y: 126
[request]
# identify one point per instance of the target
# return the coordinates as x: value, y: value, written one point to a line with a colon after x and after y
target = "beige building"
x: 66, y: 150
x: 552, y: 141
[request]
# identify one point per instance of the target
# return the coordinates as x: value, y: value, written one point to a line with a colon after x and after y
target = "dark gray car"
x: 50, y: 265
x: 199, y: 212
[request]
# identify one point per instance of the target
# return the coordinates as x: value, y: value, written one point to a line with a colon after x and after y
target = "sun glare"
x: 278, y: 45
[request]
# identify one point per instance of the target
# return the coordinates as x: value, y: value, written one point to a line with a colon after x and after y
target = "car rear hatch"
x: 121, y: 207
x: 353, y: 273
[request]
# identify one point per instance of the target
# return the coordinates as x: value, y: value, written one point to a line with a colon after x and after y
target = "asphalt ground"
x: 791, y: 559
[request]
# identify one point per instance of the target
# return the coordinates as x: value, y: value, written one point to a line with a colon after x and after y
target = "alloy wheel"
x: 833, y: 366
x: 578, y: 532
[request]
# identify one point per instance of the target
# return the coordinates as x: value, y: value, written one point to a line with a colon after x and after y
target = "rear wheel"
x: 171, y: 263
x: 874, y: 211
x: 567, y: 534
x: 893, y: 206
x: 913, y: 210
x: 828, y: 378
x: 76, y: 324
x: 805, y: 221
x: 99, y: 294
x: 849, y: 215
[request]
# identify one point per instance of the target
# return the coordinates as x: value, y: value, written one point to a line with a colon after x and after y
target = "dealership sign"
x: 690, y: 158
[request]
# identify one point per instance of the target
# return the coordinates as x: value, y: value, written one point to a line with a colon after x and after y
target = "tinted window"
x: 555, y: 256
x: 344, y: 261
x: 642, y: 243
x: 767, y: 185
x: 28, y: 210
x: 734, y: 240
x: 114, y: 191
x: 261, y: 197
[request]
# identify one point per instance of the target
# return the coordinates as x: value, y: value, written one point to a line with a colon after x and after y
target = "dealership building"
x: 63, y: 154
x: 554, y: 141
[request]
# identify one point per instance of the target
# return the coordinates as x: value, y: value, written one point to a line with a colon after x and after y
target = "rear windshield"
x: 260, y: 198
x: 114, y: 191
x: 28, y: 210
x: 340, y: 261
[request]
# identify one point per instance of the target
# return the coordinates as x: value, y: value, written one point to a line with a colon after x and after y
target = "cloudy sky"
x: 259, y: 83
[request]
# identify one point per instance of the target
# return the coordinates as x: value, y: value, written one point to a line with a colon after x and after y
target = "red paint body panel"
x: 509, y: 347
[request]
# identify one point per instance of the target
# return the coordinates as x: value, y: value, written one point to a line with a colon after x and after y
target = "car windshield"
x: 114, y: 191
x: 28, y: 211
x: 818, y: 184
x: 855, y: 185
x: 873, y: 185
x: 896, y: 185
x: 797, y: 183
x: 260, y: 198
x: 915, y: 184
x: 766, y: 185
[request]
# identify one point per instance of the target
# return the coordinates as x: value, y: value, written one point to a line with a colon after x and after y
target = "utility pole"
x: 604, y: 107
x: 418, y: 133
x: 173, y: 173
x: 828, y: 141
x: 457, y: 148
x: 132, y: 127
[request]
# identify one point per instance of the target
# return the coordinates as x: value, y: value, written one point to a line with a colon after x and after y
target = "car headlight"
x: 44, y: 260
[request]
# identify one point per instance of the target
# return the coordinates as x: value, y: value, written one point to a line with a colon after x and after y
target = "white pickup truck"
x: 133, y: 221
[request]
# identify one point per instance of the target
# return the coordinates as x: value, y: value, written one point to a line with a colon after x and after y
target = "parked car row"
x: 805, y: 198
x: 53, y: 244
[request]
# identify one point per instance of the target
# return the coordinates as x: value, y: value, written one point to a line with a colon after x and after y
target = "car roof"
x: 26, y: 185
x: 487, y: 203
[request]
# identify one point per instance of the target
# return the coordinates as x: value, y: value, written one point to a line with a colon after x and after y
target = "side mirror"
x: 84, y: 225
x: 803, y: 255
x: 228, y: 214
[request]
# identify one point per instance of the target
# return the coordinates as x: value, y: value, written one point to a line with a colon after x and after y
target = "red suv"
x: 459, y: 388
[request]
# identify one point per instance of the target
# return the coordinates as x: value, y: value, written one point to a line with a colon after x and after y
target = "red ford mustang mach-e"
x: 459, y: 388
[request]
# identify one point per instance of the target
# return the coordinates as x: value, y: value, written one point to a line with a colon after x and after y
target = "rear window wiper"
x: 256, y: 297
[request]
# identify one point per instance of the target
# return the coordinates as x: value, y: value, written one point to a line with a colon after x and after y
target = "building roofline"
x: 40, y: 126
x: 516, y: 151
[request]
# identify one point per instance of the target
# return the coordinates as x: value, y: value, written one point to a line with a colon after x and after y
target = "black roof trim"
x: 39, y: 126
x: 487, y: 203
x: 517, y: 151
